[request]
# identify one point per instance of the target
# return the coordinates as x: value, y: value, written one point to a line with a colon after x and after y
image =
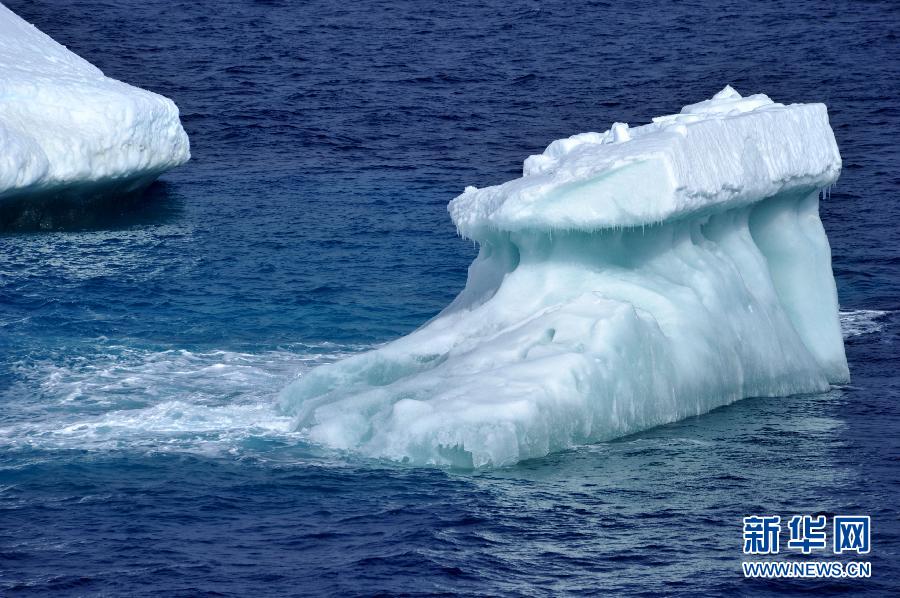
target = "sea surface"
x: 142, y: 345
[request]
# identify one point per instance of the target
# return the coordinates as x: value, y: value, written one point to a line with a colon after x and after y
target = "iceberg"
x: 66, y: 130
x: 628, y: 279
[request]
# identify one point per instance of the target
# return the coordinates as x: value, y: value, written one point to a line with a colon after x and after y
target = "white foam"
x: 862, y: 321
x: 167, y: 400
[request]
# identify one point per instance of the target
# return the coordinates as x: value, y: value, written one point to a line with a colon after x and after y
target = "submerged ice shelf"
x: 630, y: 278
x: 68, y: 130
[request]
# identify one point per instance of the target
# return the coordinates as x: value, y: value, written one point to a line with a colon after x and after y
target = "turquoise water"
x: 142, y: 348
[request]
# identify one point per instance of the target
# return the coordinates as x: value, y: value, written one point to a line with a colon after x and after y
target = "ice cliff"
x: 630, y: 278
x: 65, y: 128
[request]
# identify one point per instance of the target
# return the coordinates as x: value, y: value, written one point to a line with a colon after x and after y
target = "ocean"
x: 143, y: 345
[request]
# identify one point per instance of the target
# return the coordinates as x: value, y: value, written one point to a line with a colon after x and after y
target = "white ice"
x: 65, y: 127
x: 630, y: 278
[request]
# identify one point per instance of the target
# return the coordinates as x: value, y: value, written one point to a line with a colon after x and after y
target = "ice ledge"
x: 714, y: 155
x: 64, y: 125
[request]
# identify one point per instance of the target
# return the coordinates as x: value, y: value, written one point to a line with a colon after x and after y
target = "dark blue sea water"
x: 141, y: 348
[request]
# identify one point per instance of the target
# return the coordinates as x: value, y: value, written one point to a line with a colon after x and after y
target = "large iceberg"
x: 630, y: 278
x: 68, y: 130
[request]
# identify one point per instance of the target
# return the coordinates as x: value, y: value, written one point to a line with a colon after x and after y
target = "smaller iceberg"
x: 628, y: 279
x: 67, y: 131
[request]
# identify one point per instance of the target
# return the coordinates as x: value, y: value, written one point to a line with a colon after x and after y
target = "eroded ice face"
x: 628, y: 279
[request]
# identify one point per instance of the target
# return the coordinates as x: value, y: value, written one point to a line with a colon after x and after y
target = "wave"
x: 862, y: 321
x: 162, y: 400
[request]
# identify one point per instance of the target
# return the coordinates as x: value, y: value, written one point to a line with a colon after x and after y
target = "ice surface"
x: 724, y: 152
x: 65, y: 127
x: 630, y: 278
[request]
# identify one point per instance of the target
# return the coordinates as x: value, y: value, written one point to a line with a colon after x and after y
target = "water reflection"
x: 90, y: 209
